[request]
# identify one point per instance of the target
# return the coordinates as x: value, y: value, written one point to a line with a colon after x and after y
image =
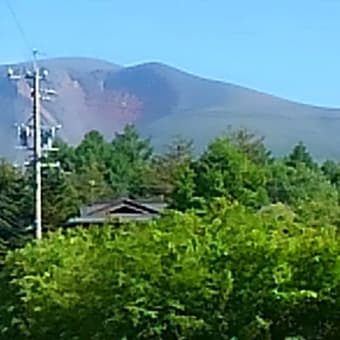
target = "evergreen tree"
x: 298, y: 183
x: 15, y: 206
x: 182, y: 196
x: 300, y: 154
x: 65, y: 155
x: 166, y: 166
x: 92, y: 149
x: 128, y: 162
x: 90, y: 184
x: 251, y: 144
x: 60, y: 200
x: 331, y: 170
x: 225, y: 171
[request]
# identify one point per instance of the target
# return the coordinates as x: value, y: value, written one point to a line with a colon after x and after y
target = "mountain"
x: 163, y: 102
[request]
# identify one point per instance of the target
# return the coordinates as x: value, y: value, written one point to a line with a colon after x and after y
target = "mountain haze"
x: 163, y: 102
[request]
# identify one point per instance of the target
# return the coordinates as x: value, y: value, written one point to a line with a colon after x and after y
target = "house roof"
x: 125, y: 209
x: 117, y: 205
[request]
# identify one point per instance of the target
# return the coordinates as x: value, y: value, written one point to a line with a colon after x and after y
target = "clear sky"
x: 289, y: 48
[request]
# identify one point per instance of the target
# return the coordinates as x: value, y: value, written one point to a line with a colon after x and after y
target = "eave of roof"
x: 117, y: 218
x: 147, y: 207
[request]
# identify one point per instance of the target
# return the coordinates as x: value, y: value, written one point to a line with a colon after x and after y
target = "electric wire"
x: 20, y: 27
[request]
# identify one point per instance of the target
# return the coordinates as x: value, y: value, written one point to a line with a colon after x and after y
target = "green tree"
x: 92, y: 149
x: 165, y: 167
x: 230, y: 273
x: 90, y: 184
x: 182, y: 196
x: 331, y: 170
x: 296, y: 184
x: 15, y: 206
x: 128, y: 162
x: 65, y: 155
x: 251, y: 144
x: 225, y: 171
x: 299, y: 155
x: 60, y: 200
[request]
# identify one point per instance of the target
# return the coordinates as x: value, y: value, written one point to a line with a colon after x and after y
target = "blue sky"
x: 289, y: 48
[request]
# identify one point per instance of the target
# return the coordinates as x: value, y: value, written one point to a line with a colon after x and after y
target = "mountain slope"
x: 163, y: 102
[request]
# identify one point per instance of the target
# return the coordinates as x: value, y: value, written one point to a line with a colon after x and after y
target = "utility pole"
x: 37, y: 149
x: 42, y: 136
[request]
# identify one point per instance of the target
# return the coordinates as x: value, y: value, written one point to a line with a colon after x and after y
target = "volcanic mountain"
x: 162, y: 102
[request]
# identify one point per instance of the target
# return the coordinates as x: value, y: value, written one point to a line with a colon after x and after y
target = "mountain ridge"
x: 236, y: 85
x: 162, y: 102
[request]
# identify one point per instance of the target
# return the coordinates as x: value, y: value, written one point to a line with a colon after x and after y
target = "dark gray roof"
x: 124, y: 209
x: 146, y: 208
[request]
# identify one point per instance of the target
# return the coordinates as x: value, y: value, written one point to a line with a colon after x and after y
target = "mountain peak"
x: 163, y: 102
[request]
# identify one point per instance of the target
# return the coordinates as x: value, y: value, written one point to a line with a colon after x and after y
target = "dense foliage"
x: 229, y: 273
x: 249, y: 249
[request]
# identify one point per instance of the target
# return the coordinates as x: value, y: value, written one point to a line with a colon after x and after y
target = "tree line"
x: 248, y: 248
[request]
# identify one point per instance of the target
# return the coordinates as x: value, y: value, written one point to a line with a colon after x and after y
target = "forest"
x: 249, y: 247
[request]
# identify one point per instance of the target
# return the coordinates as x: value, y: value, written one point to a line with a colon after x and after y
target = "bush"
x: 230, y: 273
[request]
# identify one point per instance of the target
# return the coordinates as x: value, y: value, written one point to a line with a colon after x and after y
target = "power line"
x: 19, y: 26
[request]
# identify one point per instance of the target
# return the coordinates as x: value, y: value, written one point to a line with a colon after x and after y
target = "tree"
x: 15, y: 206
x: 90, y: 184
x: 182, y: 196
x: 253, y: 255
x: 331, y: 170
x: 299, y: 183
x: 230, y: 273
x: 299, y: 155
x: 65, y: 155
x: 165, y: 167
x: 60, y: 200
x: 224, y: 171
x: 92, y: 149
x: 128, y: 162
x: 251, y: 145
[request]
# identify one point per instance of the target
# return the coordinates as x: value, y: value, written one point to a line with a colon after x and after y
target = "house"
x: 119, y: 210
